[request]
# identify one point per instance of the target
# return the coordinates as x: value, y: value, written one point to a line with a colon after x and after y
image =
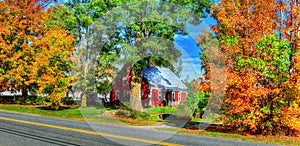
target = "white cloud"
x: 191, y: 60
x: 181, y: 37
x: 190, y: 69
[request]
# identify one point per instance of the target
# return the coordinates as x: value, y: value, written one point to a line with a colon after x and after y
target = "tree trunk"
x: 83, y: 100
x: 135, y: 97
x: 24, y: 94
x: 86, y: 66
x: 84, y: 88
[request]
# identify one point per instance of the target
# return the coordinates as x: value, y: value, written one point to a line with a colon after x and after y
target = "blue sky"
x: 190, y: 51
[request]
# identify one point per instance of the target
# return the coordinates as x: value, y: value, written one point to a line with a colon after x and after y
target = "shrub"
x: 40, y: 100
x: 120, y: 113
x: 69, y: 101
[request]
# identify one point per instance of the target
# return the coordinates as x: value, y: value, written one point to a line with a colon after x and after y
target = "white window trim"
x: 179, y: 97
x: 150, y: 94
x: 150, y: 97
x: 159, y: 95
x: 117, y: 94
x: 124, y: 79
x: 173, y: 96
x: 124, y: 93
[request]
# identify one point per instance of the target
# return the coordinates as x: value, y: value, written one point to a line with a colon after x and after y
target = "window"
x: 179, y: 96
x: 173, y: 97
x: 150, y: 96
x: 117, y: 94
x: 124, y: 81
x: 159, y: 95
x: 125, y: 93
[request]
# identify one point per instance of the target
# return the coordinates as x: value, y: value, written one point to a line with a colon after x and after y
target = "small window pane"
x: 159, y: 95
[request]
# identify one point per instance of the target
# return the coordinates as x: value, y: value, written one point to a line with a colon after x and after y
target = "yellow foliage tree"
x: 34, y: 58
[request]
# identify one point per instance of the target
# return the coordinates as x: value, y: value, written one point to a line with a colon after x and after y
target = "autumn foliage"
x: 259, y: 41
x: 34, y: 57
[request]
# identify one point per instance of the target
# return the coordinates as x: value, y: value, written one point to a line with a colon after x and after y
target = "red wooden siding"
x: 183, y: 97
x: 155, y: 101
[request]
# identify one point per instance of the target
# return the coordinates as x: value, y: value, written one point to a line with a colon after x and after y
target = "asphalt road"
x: 27, y: 130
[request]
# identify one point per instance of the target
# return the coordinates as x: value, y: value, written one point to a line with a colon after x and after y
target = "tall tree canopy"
x: 34, y: 57
x: 143, y: 33
x: 125, y: 32
x: 260, y: 44
x: 77, y: 18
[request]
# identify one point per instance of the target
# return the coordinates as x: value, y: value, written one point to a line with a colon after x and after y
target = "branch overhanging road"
x: 24, y: 129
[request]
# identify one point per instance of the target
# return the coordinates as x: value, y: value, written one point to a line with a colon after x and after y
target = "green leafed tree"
x: 144, y: 33
x: 77, y: 18
x: 127, y: 32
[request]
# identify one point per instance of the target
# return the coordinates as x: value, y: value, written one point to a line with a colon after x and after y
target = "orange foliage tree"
x: 259, y: 41
x: 289, y: 29
x: 34, y: 58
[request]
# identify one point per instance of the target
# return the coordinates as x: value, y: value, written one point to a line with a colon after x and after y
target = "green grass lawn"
x: 91, y: 114
x: 167, y: 110
x: 67, y: 113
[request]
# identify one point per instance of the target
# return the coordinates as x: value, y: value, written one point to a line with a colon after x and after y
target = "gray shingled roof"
x: 163, y: 77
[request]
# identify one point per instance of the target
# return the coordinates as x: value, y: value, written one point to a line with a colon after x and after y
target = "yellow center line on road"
x: 91, y: 132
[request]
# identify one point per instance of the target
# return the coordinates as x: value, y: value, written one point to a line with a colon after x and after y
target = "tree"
x: 144, y: 38
x: 258, y: 38
x: 197, y: 100
x: 104, y: 75
x: 30, y: 51
x: 77, y: 18
x: 52, y: 65
x: 19, y: 28
x: 86, y: 12
x: 290, y: 31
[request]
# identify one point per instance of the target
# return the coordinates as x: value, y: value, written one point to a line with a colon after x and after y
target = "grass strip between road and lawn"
x: 282, y: 140
x: 91, y: 114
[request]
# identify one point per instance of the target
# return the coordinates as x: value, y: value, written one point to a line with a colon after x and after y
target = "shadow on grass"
x: 61, y: 108
x: 186, y: 123
x: 208, y: 127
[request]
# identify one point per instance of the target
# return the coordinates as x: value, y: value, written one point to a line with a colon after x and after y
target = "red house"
x: 160, y: 87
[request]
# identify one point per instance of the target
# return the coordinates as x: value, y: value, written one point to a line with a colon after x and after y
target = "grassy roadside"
x: 283, y: 140
x: 92, y: 114
x: 67, y: 113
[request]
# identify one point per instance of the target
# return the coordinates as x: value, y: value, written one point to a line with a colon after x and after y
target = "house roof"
x: 163, y: 77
